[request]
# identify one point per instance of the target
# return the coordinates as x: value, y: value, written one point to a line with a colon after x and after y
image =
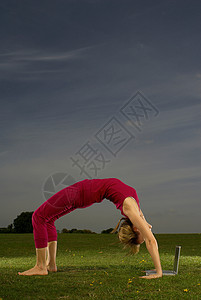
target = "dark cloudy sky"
x: 68, y: 69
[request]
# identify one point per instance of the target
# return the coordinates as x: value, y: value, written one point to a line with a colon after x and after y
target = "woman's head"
x: 129, y: 235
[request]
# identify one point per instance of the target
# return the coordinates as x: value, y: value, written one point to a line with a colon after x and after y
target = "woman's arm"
x: 143, y: 217
x: 130, y: 210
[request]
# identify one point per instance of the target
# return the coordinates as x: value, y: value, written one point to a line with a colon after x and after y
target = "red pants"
x: 55, y: 207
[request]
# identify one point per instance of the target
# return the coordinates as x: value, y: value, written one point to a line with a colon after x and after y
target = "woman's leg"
x: 51, y: 256
x: 52, y: 241
x: 71, y: 194
x: 44, y: 230
x: 40, y: 267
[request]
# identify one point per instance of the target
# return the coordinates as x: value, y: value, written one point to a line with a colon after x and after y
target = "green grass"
x: 96, y: 267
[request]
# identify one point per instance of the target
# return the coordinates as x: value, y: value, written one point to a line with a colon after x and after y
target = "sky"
x: 75, y: 77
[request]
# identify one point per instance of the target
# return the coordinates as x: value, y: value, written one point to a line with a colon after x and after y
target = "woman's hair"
x: 127, y: 235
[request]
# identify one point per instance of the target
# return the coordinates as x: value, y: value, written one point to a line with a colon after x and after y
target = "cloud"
x: 36, y: 55
x: 38, y: 61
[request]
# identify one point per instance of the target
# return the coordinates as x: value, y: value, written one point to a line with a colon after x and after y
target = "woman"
x: 133, y: 232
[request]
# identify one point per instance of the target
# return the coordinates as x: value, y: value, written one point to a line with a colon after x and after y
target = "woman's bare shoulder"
x: 130, y: 204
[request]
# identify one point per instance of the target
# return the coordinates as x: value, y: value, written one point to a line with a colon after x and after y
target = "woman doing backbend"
x: 133, y: 231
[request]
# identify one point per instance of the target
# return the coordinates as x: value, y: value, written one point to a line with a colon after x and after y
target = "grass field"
x: 94, y: 266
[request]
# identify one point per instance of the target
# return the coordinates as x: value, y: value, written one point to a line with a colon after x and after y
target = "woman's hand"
x: 152, y: 276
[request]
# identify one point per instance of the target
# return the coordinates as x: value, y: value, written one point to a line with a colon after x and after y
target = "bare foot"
x: 52, y: 268
x: 34, y: 271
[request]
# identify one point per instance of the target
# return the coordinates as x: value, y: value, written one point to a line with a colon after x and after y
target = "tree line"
x: 23, y: 224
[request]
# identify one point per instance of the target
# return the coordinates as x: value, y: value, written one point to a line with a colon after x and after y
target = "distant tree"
x: 10, y: 228
x: 107, y: 230
x: 64, y: 230
x: 23, y: 223
x: 74, y: 230
x: 87, y: 231
x: 3, y: 230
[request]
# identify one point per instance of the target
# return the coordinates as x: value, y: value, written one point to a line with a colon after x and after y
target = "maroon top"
x: 95, y: 190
